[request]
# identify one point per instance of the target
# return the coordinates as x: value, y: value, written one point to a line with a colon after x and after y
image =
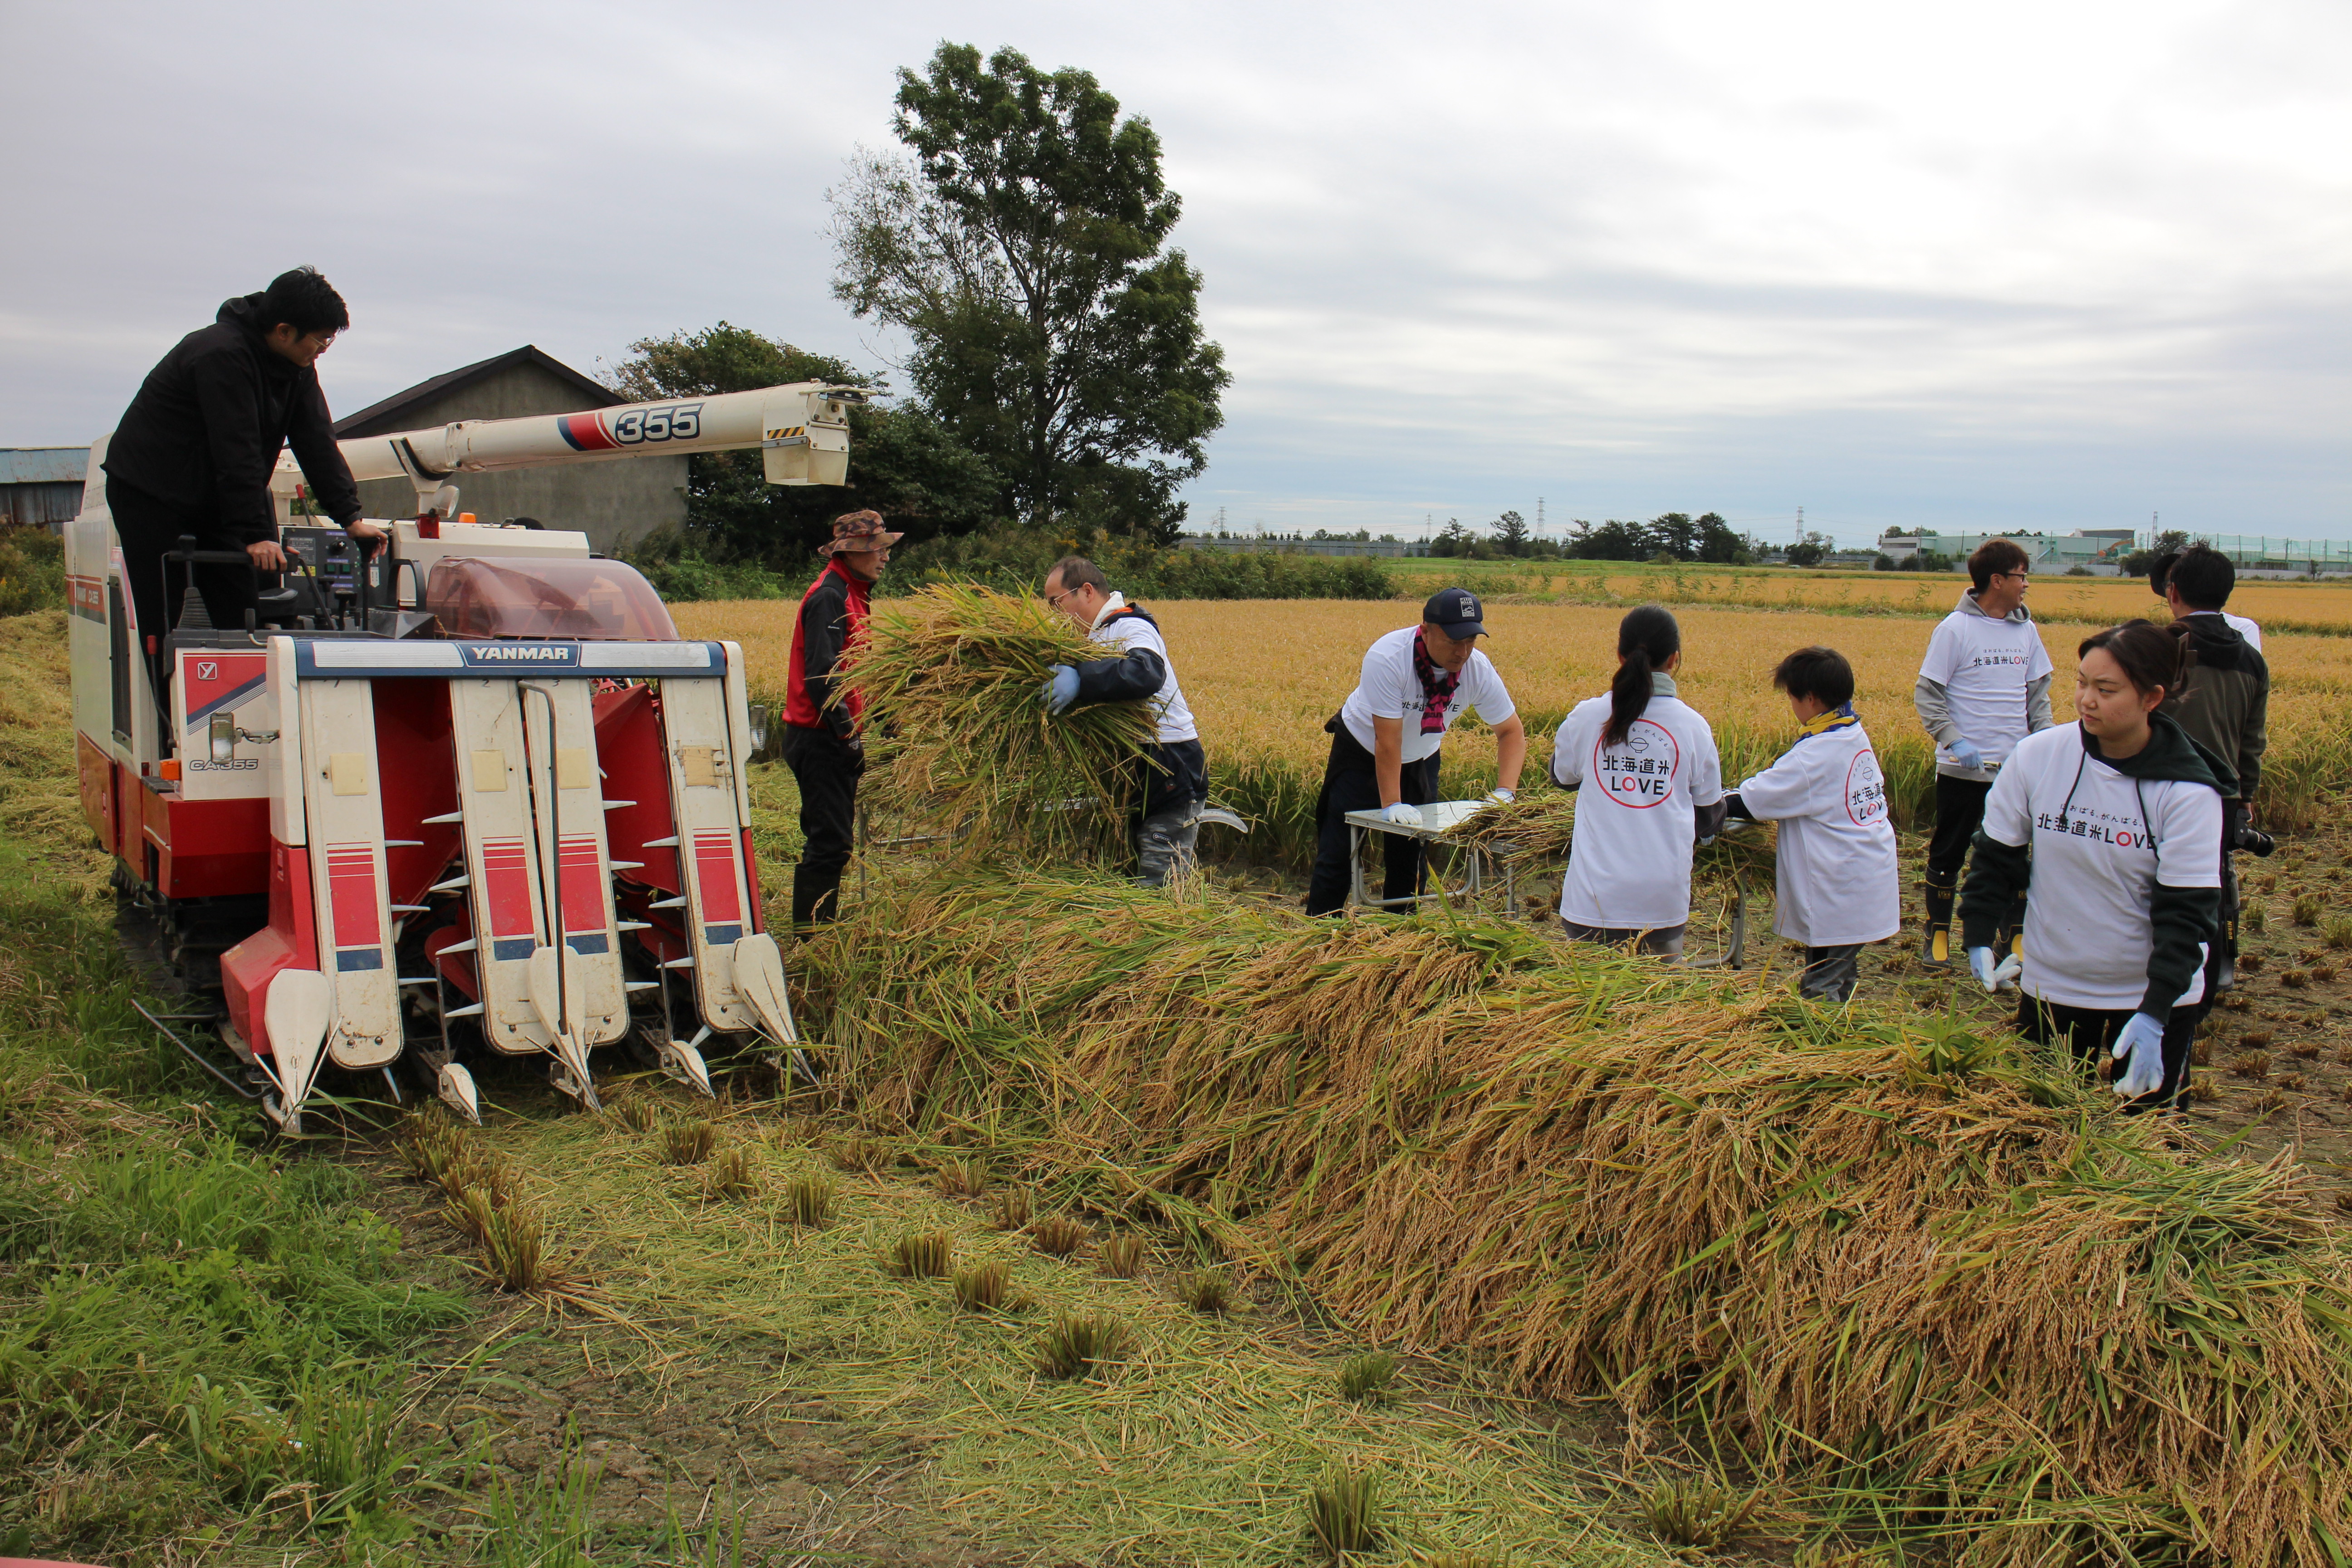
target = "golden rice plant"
x: 1608, y: 1177
x: 923, y: 1255
x: 1122, y: 1256
x: 1687, y: 1511
x: 982, y: 1287
x: 1058, y: 1234
x: 1343, y: 1512
x: 965, y: 745
x: 1082, y: 1343
x: 2307, y: 909
x: 1365, y: 1377
x: 808, y: 1201
x: 688, y: 1142
x: 2337, y: 931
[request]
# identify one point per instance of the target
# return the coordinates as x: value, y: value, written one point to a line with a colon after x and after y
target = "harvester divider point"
x: 676, y: 904
x: 617, y: 805
x: 452, y: 885
x: 404, y: 844
x: 627, y: 865
x: 466, y: 946
x: 408, y: 909
x: 470, y: 1011
x: 636, y: 925
x: 445, y: 819
x: 686, y: 963
x: 683, y: 1062
x: 669, y: 843
x: 418, y: 979
x: 456, y: 1086
x: 640, y: 984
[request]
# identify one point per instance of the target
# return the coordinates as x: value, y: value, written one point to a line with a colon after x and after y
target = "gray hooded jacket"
x: 1935, y: 704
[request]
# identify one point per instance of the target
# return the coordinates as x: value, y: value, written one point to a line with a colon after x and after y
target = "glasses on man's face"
x: 1053, y: 601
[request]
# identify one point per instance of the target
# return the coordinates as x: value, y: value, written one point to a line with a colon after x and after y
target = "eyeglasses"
x: 1053, y: 601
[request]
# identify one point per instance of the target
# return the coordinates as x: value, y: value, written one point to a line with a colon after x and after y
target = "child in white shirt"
x: 1837, y: 887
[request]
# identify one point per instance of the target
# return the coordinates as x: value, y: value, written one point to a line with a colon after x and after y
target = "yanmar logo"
x: 524, y: 654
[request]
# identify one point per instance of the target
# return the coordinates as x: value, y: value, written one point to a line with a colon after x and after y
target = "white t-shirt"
x: 1175, y: 719
x: 1985, y: 666
x: 2097, y: 861
x: 1837, y: 883
x: 2245, y: 628
x: 1388, y: 689
x: 1629, y: 866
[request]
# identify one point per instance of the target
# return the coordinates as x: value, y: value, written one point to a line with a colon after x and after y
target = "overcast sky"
x: 2003, y: 265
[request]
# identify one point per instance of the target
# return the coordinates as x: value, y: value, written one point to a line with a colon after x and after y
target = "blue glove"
x: 1061, y: 688
x: 1964, y: 752
x: 1400, y: 813
x: 2141, y: 1039
x: 1991, y: 976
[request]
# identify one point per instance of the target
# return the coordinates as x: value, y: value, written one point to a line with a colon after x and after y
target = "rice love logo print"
x: 1639, y: 770
x: 1865, y: 790
x: 2096, y: 827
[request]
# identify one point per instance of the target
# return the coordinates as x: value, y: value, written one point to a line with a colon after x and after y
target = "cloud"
x: 2023, y: 264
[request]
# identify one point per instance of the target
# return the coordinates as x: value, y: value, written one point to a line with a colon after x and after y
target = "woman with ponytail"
x: 1650, y: 785
x: 2114, y: 823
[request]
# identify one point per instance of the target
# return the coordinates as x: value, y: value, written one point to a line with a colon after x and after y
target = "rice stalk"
x: 1365, y: 1377
x: 1081, y: 1343
x: 733, y: 1174
x: 1013, y: 1210
x: 1343, y: 1512
x: 515, y: 1251
x: 808, y: 1201
x: 1122, y: 1257
x: 964, y: 745
x: 1697, y: 1512
x: 963, y: 1178
x: 688, y: 1142
x: 1207, y: 1291
x: 982, y: 1287
x: 923, y: 1255
x: 1057, y: 1234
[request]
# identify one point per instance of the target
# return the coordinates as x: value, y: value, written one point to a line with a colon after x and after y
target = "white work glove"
x: 2142, y: 1039
x: 1991, y: 976
x: 1061, y: 688
x: 1964, y: 752
x: 1400, y: 813
x: 1499, y: 796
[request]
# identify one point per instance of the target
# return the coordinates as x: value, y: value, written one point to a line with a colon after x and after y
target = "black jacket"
x: 2224, y: 699
x: 209, y: 421
x: 2179, y: 918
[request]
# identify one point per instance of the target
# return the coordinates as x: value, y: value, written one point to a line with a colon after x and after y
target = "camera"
x: 2253, y: 841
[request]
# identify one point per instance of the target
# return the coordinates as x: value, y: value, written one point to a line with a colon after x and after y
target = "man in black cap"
x: 1416, y: 681
x: 196, y: 449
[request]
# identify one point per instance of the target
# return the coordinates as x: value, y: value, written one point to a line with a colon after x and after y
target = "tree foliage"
x: 1676, y: 535
x: 1022, y: 250
x: 902, y: 463
x: 2139, y: 563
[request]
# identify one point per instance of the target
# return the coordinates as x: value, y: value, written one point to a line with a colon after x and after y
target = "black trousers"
x: 827, y: 771
x: 1350, y: 784
x: 1959, y: 812
x: 149, y: 525
x: 2089, y: 1035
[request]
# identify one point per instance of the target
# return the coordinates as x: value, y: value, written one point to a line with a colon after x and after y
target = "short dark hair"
x: 2204, y: 576
x: 1818, y: 673
x: 1993, y: 558
x: 1077, y: 572
x: 305, y: 301
x: 2149, y: 655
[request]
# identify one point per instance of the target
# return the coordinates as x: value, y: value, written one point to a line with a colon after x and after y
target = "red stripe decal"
x: 506, y: 882
x: 585, y: 433
x: 714, y: 858
x: 584, y: 884
x: 351, y: 883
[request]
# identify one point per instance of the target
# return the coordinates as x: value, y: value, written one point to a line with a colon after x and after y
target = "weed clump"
x: 1081, y: 1343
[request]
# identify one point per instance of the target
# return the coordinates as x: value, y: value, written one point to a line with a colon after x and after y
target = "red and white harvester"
x: 473, y: 798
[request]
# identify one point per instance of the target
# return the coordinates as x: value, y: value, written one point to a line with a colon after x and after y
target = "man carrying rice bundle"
x: 1175, y: 781
x: 821, y: 719
x: 1837, y: 886
x: 1648, y: 786
x: 1416, y: 681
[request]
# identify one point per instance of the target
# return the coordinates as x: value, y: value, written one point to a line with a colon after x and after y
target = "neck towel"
x: 1435, y: 692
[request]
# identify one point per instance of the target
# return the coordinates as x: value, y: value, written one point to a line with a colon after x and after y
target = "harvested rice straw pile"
x: 1538, y: 826
x: 1906, y: 1265
x: 959, y: 740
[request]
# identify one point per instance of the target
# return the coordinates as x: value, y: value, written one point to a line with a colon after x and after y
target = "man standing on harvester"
x: 1175, y: 781
x: 196, y: 448
x: 1983, y: 686
x: 1416, y: 681
x: 823, y: 720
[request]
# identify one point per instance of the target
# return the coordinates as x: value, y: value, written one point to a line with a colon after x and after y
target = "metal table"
x: 1436, y: 819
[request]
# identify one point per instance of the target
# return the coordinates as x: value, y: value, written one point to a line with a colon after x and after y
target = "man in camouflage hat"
x: 824, y: 745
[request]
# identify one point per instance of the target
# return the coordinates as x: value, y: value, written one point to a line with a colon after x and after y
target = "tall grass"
x: 1871, y: 1251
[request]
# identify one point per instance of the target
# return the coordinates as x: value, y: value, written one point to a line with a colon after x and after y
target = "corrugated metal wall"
x: 49, y: 505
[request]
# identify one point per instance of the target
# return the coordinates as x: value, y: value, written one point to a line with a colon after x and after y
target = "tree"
x: 901, y: 463
x: 1810, y: 549
x: 1512, y: 533
x: 1719, y: 545
x: 2139, y: 563
x: 1022, y: 251
x: 1452, y: 540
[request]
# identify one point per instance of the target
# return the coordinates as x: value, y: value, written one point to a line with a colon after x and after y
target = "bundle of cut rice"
x: 959, y: 740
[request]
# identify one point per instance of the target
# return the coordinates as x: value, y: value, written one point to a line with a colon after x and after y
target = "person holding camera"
x: 2223, y: 703
x: 2114, y: 823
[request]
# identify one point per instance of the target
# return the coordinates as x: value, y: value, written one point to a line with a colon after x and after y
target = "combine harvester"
x: 473, y: 798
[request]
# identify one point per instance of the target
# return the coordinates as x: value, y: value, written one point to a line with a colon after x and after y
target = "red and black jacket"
x: 831, y: 623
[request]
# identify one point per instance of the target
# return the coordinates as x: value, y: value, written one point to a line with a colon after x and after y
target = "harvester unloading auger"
x: 474, y: 797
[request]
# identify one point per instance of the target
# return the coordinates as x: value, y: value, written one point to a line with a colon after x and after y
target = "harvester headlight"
x: 223, y: 736
x: 759, y: 717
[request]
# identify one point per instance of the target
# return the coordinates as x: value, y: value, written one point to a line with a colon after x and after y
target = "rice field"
x: 1262, y: 678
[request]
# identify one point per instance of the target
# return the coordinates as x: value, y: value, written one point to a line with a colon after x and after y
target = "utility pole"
x: 1540, y: 518
x: 1800, y: 525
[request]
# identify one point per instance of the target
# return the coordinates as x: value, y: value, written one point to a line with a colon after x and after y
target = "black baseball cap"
x: 1456, y: 612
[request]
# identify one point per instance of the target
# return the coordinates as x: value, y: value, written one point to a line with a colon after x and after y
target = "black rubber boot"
x: 1935, y: 950
x: 2010, y: 940
x: 817, y: 898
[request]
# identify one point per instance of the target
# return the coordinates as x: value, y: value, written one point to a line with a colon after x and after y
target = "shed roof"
x: 44, y: 464
x: 395, y: 413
